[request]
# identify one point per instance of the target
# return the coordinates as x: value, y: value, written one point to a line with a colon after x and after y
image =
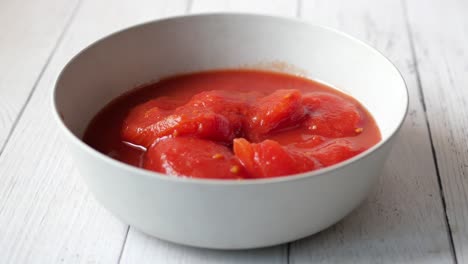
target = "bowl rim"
x: 203, y: 181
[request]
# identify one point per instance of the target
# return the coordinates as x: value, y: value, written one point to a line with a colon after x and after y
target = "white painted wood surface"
x: 439, y: 30
x: 47, y: 214
x: 29, y: 31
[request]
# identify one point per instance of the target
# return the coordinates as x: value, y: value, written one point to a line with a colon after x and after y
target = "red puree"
x: 233, y: 124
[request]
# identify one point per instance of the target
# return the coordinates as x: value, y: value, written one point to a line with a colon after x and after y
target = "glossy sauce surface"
x: 233, y: 124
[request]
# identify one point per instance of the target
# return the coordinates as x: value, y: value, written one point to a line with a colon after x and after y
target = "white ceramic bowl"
x: 227, y: 214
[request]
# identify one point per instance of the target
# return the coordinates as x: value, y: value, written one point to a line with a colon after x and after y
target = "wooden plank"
x: 28, y: 37
x: 275, y: 7
x: 403, y: 220
x: 440, y: 39
x: 141, y: 248
x: 46, y: 212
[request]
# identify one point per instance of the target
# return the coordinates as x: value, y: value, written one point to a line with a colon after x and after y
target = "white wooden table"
x: 417, y: 214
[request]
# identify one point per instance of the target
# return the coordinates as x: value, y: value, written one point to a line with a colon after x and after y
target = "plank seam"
x: 298, y: 8
x: 189, y: 6
x: 123, y: 244
x: 39, y: 77
x: 433, y: 151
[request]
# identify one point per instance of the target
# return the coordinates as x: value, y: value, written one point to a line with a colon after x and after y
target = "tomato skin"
x: 270, y: 159
x: 207, y: 125
x: 135, y: 128
x: 208, y: 115
x: 280, y: 109
x: 331, y: 116
x: 231, y: 106
x: 192, y: 157
x: 335, y: 151
x: 309, y: 143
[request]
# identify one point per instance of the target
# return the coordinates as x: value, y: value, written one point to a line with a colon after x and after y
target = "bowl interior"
x: 163, y: 48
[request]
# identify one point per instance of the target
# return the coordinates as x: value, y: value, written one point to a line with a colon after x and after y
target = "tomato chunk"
x: 207, y: 125
x: 281, y: 109
x: 208, y: 115
x: 269, y: 159
x: 335, y: 151
x: 192, y: 157
x: 231, y: 106
x: 222, y: 101
x: 331, y: 116
x: 136, y: 127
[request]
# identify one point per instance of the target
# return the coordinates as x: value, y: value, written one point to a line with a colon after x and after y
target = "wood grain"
x: 47, y: 214
x: 272, y: 7
x: 28, y: 37
x: 141, y: 248
x: 403, y: 221
x: 440, y: 37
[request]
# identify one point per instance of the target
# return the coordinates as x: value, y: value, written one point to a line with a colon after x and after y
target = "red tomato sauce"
x: 233, y: 124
